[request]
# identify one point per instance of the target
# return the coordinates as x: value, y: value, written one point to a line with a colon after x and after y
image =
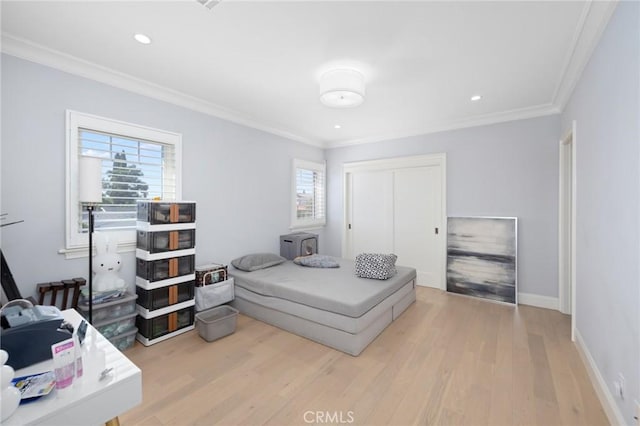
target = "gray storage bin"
x: 217, y: 322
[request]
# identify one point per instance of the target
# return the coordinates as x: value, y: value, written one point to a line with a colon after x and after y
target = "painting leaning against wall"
x: 482, y: 257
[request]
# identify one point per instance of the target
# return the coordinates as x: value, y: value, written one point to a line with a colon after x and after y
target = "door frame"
x: 426, y: 160
x: 567, y: 237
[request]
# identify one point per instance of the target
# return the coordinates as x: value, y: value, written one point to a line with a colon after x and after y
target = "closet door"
x: 371, y: 215
x: 397, y: 206
x: 416, y: 222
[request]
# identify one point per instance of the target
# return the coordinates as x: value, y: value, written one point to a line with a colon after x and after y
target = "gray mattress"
x: 335, y: 290
x: 329, y: 306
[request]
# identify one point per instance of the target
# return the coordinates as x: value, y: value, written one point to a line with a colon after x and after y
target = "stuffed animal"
x: 106, y: 264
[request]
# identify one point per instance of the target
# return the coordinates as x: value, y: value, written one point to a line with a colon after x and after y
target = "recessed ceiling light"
x: 141, y: 38
x: 476, y: 98
x: 337, y: 126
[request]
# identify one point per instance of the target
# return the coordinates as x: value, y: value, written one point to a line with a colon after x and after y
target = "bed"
x: 327, y: 305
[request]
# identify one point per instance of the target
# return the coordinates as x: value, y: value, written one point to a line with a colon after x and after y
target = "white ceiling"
x: 258, y: 62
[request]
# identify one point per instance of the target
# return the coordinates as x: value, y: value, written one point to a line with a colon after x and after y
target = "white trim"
x: 599, y: 384
x: 483, y: 120
x: 574, y: 229
x: 21, y: 48
x: 75, y: 242
x: 316, y: 166
x: 396, y: 163
x: 438, y: 159
x: 538, y: 301
x: 565, y: 209
x: 594, y: 19
x: 80, y: 252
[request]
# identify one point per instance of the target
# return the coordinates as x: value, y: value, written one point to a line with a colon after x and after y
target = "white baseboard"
x: 599, y: 384
x: 538, y: 301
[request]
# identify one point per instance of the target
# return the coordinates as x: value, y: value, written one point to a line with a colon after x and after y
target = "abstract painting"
x: 482, y: 257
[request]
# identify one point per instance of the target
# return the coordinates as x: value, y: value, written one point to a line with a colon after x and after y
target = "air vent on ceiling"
x: 209, y: 4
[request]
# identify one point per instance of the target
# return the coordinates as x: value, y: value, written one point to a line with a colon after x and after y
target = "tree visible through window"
x: 124, y: 184
x: 138, y: 162
x: 132, y: 170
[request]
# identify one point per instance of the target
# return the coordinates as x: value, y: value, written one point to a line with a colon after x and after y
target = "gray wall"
x: 605, y: 105
x: 239, y: 176
x: 508, y: 169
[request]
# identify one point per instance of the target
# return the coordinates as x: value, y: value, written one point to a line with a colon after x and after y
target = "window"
x: 137, y: 163
x: 308, y: 194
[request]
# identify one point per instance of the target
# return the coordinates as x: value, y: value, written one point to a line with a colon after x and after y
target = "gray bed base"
x: 311, y: 326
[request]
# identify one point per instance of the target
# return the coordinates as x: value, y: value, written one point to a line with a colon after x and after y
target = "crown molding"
x: 591, y: 25
x: 33, y: 52
x: 593, y: 21
x: 483, y: 120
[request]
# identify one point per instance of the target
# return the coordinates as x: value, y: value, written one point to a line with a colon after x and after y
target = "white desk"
x: 90, y: 401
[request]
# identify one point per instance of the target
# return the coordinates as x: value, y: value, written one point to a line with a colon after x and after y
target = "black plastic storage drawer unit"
x: 165, y: 296
x: 162, y: 269
x: 166, y: 212
x: 165, y: 241
x: 152, y: 328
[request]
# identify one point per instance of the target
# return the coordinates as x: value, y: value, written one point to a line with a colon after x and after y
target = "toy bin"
x: 215, y: 323
x: 125, y: 340
x: 116, y: 326
x: 117, y: 308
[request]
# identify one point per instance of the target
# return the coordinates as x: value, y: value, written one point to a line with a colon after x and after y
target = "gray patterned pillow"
x: 376, y: 265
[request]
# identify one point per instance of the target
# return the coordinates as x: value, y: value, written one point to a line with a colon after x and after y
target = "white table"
x: 90, y: 401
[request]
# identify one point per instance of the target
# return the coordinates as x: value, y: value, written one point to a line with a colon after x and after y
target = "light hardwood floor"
x: 448, y: 360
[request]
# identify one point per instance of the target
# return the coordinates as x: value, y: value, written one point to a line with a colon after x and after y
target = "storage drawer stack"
x: 115, y: 320
x: 165, y: 269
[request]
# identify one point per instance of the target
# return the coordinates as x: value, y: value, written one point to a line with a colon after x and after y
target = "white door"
x: 371, y: 220
x: 417, y: 222
x: 397, y: 207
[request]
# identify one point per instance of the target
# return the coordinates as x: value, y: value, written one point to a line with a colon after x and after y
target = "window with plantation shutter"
x: 138, y: 163
x: 308, y: 195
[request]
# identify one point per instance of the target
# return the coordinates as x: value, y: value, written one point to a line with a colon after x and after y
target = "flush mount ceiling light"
x: 142, y: 38
x: 476, y: 98
x: 342, y: 88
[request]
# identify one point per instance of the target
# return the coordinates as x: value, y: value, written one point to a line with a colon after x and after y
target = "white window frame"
x: 314, y: 222
x: 76, y: 243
